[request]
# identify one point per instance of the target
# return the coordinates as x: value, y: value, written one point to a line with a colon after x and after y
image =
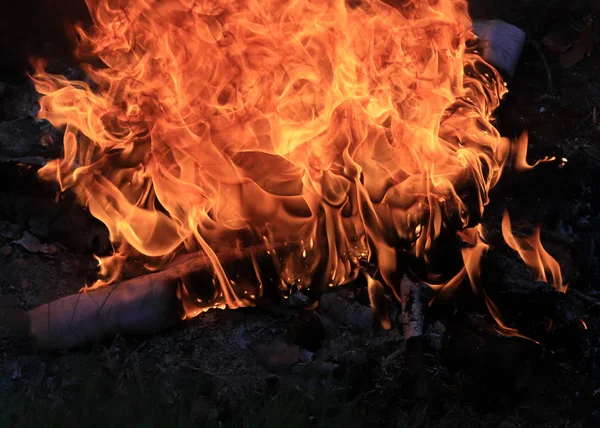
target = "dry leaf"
x: 557, y: 43
x: 583, y: 47
x: 276, y: 354
x: 32, y: 244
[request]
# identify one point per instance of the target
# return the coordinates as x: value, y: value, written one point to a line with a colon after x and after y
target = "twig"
x: 412, y: 316
x: 275, y: 321
x: 584, y: 297
x: 538, y: 48
x: 583, y: 122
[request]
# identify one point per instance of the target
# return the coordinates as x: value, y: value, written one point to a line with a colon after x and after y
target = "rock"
x: 299, y: 300
x: 306, y: 356
x: 435, y: 335
x: 346, y: 312
x: 6, y: 250
x: 10, y: 231
x: 39, y: 226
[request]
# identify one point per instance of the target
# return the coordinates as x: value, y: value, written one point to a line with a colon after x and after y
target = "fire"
x: 472, y: 253
x: 530, y: 248
x: 329, y: 132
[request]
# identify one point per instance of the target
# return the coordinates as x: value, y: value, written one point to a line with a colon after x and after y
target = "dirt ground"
x: 205, y: 373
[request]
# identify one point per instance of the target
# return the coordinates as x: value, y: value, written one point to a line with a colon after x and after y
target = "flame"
x: 542, y: 264
x: 472, y: 254
x: 519, y: 155
x: 347, y: 130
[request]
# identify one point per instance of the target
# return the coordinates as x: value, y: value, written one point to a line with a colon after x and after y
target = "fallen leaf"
x: 276, y: 353
x: 32, y: 244
x: 583, y: 47
x: 557, y: 43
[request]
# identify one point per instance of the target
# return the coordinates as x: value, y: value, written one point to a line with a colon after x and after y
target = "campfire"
x: 237, y: 149
x: 336, y: 194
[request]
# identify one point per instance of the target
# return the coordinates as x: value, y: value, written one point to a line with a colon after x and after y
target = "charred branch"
x: 537, y: 309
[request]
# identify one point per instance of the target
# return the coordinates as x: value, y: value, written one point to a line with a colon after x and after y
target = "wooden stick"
x: 142, y: 305
x: 416, y: 382
x: 412, y: 308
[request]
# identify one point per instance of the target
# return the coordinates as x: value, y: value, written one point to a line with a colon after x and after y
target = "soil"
x: 279, y: 366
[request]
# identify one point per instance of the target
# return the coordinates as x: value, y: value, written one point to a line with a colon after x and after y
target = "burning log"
x: 502, y: 365
x: 537, y: 309
x: 142, y: 305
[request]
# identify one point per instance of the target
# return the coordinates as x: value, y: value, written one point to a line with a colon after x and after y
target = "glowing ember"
x: 331, y: 133
x: 584, y: 324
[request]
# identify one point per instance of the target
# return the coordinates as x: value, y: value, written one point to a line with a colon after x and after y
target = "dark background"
x: 36, y: 28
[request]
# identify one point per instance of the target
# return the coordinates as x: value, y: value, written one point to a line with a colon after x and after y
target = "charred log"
x: 537, y: 309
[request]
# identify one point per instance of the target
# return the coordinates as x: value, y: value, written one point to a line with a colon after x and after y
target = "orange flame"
x: 542, y: 264
x: 472, y: 255
x: 347, y: 129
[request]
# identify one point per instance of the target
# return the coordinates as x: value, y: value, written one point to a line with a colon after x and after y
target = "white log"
x: 501, y: 44
x: 412, y: 308
x: 139, y: 306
